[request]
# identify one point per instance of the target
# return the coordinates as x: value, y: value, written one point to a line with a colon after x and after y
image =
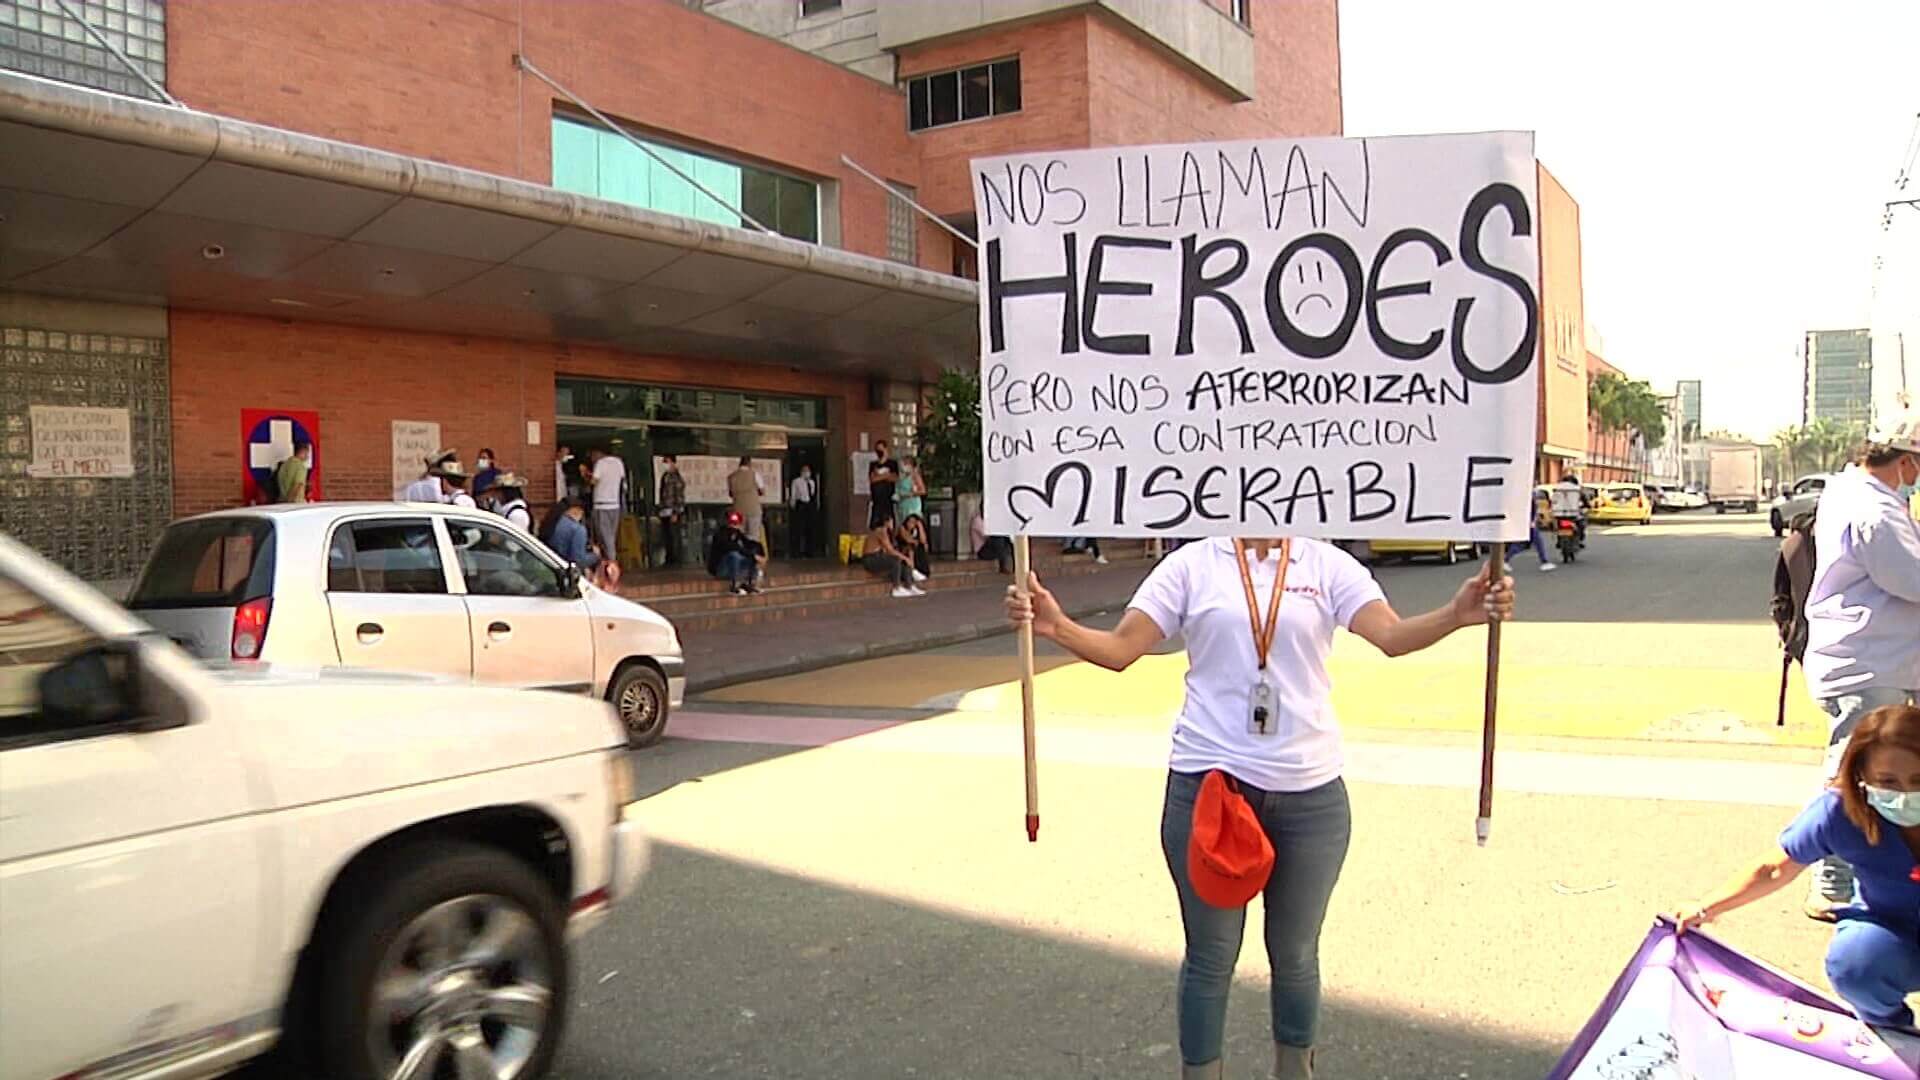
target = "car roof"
x: 321, y: 516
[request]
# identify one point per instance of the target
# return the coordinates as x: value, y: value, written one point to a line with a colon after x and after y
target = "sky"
x: 1731, y: 161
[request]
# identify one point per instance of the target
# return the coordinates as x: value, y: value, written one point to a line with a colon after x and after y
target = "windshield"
x: 211, y: 562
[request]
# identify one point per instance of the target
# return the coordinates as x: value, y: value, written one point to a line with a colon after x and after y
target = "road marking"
x: 1751, y: 783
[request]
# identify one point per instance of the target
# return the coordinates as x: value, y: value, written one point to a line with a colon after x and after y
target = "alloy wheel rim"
x: 465, y: 991
x: 639, y: 708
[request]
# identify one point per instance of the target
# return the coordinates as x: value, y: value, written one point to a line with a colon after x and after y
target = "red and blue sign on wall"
x: 267, y: 437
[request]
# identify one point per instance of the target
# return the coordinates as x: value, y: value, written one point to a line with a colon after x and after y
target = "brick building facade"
x: 363, y: 219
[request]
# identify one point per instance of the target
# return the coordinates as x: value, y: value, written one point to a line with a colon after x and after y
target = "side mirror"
x: 99, y: 687
x: 572, y: 578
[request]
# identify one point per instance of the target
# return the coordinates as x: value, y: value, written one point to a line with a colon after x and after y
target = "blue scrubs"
x: 1874, y: 961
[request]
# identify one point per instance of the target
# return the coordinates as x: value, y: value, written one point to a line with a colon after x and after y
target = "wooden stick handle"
x: 1483, y: 824
x: 1022, y: 568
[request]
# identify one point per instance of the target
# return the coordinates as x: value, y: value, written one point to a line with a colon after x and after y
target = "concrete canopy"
x: 109, y: 198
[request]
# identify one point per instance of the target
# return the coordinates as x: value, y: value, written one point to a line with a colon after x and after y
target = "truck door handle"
x: 499, y: 631
x: 369, y: 633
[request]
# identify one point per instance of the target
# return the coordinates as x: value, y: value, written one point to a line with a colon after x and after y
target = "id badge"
x: 1262, y: 718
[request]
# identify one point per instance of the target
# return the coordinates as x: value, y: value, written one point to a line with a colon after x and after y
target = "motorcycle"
x: 1567, y: 538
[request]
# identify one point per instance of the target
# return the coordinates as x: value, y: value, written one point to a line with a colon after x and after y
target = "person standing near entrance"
x: 743, y: 488
x: 883, y: 476
x: 1863, y: 610
x: 609, y: 500
x: 290, y: 476
x: 671, y: 505
x: 510, y: 499
x: 802, y: 497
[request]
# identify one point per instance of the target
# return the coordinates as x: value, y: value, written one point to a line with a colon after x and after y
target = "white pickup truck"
x: 372, y: 875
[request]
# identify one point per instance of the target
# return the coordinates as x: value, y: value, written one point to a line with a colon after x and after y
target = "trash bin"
x: 943, y: 526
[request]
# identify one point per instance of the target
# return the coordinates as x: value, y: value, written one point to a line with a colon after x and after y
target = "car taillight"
x: 250, y: 627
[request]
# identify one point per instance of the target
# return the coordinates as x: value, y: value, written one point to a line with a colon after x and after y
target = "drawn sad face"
x: 1316, y: 290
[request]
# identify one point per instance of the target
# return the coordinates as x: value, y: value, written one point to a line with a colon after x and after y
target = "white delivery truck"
x: 1733, y: 478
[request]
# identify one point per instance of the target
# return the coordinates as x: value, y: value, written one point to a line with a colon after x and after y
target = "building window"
x: 592, y: 161
x: 972, y: 93
x: 37, y: 38
x: 903, y: 228
x: 1243, y: 12
x: 817, y: 7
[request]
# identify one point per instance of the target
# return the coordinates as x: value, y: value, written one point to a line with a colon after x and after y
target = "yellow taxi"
x: 1447, y: 551
x: 1616, y: 503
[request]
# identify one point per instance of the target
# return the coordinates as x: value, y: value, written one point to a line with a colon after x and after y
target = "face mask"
x: 485, y: 463
x: 1907, y: 489
x: 1900, y: 807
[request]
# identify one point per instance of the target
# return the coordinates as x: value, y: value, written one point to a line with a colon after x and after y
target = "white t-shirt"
x: 608, y: 474
x: 1196, y: 592
x: 424, y: 490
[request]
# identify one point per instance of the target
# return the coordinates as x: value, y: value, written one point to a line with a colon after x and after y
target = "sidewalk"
x: 762, y: 650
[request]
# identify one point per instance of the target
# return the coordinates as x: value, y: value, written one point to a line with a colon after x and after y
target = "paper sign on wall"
x: 1322, y: 337
x: 706, y: 476
x: 414, y: 441
x: 74, y: 443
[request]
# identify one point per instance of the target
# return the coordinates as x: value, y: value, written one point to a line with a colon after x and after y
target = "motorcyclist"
x: 1569, y: 500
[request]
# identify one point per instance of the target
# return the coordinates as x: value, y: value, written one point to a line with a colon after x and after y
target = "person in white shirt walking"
x: 1863, y: 609
x: 802, y: 510
x: 609, y: 500
x: 1258, y: 709
x: 510, y: 499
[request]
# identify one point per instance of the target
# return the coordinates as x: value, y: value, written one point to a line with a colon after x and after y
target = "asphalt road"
x: 842, y: 887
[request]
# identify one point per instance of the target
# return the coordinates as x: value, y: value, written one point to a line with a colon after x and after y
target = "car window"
x: 33, y: 638
x: 497, y: 563
x: 389, y: 556
x: 211, y: 562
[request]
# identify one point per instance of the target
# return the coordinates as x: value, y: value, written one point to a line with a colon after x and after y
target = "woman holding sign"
x: 1254, y: 799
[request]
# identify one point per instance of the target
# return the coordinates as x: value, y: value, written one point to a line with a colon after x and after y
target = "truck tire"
x: 443, y: 949
x: 639, y: 695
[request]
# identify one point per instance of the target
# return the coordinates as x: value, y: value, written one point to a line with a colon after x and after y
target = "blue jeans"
x: 736, y: 568
x: 1309, y: 831
x: 1539, y: 541
x: 1874, y: 967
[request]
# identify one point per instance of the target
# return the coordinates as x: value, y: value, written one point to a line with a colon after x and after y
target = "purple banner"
x: 1693, y: 1007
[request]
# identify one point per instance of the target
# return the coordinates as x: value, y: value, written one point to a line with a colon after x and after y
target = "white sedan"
x: 435, y: 589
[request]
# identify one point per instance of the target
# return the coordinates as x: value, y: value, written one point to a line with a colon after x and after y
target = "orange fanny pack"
x: 1229, y: 857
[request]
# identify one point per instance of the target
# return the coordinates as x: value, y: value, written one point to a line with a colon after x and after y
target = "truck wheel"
x: 451, y: 960
x: 639, y: 695
x: 1719, y: 508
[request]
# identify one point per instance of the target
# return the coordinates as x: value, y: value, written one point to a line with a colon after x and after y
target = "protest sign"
x: 706, y: 477
x: 414, y: 441
x: 1691, y: 1006
x: 75, y: 443
x: 1318, y: 337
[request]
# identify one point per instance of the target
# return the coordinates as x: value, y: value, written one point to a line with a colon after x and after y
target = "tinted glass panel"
x: 976, y: 95
x: 386, y: 557
x: 799, y: 216
x: 495, y: 563
x: 945, y: 103
x: 593, y: 161
x: 1006, y: 86
x: 218, y: 562
x: 917, y: 104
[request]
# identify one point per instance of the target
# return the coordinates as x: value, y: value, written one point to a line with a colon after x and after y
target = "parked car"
x: 432, y: 589
x: 1803, y: 496
x: 1669, y: 499
x: 204, y: 863
x: 1618, y: 503
x: 1447, y: 551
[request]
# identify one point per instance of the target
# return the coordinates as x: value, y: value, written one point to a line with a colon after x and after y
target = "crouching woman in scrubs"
x: 1871, y: 818
x: 1258, y: 617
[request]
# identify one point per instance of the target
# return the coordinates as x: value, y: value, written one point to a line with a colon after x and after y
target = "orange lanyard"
x: 1263, y: 635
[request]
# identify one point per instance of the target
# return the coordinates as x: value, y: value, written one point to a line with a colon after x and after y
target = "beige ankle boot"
x: 1212, y: 1070
x: 1292, y: 1062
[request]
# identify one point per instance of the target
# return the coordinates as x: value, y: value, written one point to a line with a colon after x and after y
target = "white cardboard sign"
x: 706, y: 477
x: 80, y: 443
x: 1316, y: 337
x: 414, y: 441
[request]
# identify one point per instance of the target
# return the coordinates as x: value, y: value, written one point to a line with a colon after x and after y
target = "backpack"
x: 1792, y: 581
x: 269, y: 485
